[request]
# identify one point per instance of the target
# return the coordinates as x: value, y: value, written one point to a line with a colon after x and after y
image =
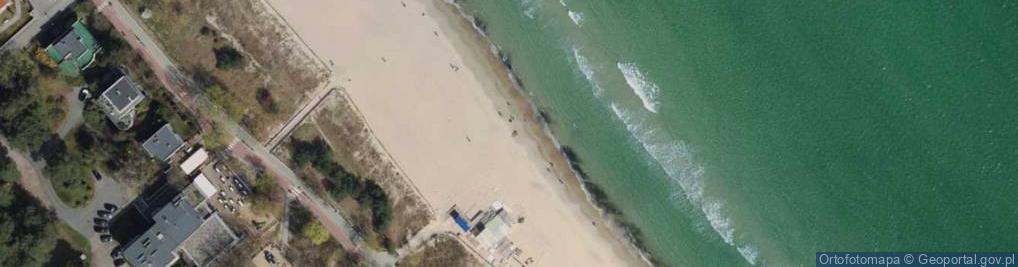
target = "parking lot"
x: 233, y: 190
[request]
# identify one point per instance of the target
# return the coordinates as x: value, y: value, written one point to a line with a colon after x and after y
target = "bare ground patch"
x: 441, y: 250
x: 278, y: 71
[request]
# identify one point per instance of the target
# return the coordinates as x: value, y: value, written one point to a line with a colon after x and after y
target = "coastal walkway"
x: 245, y: 146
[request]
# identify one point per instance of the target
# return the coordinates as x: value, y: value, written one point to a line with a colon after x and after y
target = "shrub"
x: 316, y: 232
x: 228, y: 58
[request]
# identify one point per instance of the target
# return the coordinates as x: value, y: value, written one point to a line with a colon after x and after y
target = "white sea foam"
x: 529, y: 7
x: 749, y: 253
x: 675, y: 158
x: 644, y: 88
x: 584, y: 65
x: 577, y: 17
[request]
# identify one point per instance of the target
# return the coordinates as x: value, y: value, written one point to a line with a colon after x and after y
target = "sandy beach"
x: 444, y: 109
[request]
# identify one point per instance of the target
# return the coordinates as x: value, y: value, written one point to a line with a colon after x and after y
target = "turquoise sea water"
x: 761, y: 132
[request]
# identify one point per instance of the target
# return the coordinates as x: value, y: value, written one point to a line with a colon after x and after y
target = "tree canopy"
x: 23, y: 112
x: 316, y: 232
x: 343, y: 183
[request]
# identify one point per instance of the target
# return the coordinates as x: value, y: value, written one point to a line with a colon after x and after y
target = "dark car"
x: 269, y: 257
x: 105, y: 214
x: 241, y: 185
x: 99, y: 221
x: 118, y: 262
x: 100, y: 229
x: 111, y: 207
x: 105, y: 238
x: 84, y: 94
x: 96, y: 175
x: 116, y: 254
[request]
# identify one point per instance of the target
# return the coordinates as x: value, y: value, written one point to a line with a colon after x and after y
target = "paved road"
x: 251, y: 150
x: 74, y: 109
x: 80, y: 219
x: 42, y: 12
x: 15, y: 18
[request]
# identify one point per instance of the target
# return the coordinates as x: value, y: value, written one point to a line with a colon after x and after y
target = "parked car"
x: 111, y: 207
x: 101, y: 230
x: 84, y: 94
x: 118, y: 262
x: 241, y: 185
x: 96, y: 175
x: 116, y: 254
x: 99, y: 221
x: 105, y: 214
x: 105, y: 238
x: 269, y: 257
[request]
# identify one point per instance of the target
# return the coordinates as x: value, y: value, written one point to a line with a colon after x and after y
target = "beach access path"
x: 246, y: 147
x: 439, y: 101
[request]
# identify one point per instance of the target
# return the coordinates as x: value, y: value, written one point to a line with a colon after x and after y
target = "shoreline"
x: 548, y: 144
x: 521, y: 171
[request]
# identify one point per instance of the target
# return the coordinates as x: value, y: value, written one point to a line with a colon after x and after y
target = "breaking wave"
x: 584, y: 65
x: 577, y: 17
x: 675, y: 158
x: 645, y: 89
x: 529, y: 7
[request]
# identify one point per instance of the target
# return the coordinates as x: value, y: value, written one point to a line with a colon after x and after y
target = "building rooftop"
x: 122, y: 94
x: 194, y: 161
x: 163, y: 143
x: 204, y: 186
x: 174, y: 223
x: 211, y: 238
x: 75, y: 50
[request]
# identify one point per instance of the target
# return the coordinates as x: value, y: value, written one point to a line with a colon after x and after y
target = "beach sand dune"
x: 429, y: 93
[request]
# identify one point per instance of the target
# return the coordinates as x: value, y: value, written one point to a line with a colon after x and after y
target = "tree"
x: 228, y: 58
x: 29, y: 231
x: 8, y: 170
x: 316, y: 232
x: 265, y: 99
x: 221, y: 98
x: 43, y: 58
x: 267, y: 196
x: 23, y: 113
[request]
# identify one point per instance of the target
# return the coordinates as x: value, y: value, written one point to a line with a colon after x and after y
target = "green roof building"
x: 75, y: 51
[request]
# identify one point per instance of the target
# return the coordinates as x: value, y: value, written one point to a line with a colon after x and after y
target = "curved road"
x: 80, y: 219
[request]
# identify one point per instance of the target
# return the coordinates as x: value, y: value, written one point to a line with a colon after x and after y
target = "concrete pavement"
x: 73, y: 118
x: 42, y: 12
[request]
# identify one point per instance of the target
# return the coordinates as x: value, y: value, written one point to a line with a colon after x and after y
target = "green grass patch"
x: 72, y: 184
x: 75, y: 239
x: 70, y: 246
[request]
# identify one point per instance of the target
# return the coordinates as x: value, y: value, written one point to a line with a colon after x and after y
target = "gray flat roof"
x: 162, y: 144
x: 70, y: 45
x: 122, y: 93
x: 174, y: 223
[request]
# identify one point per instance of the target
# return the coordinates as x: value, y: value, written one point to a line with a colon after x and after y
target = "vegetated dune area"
x: 442, y: 106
